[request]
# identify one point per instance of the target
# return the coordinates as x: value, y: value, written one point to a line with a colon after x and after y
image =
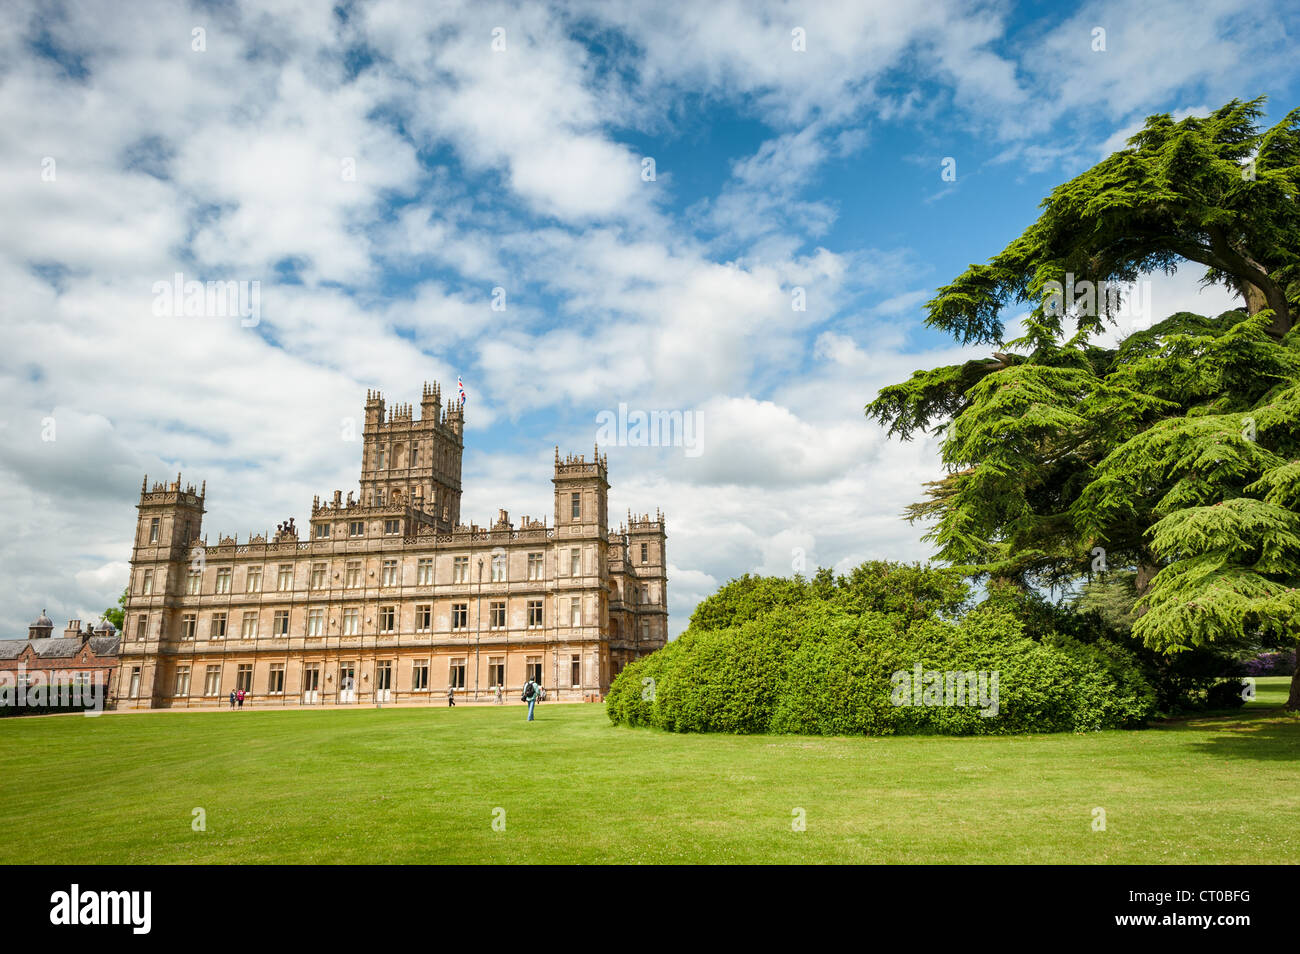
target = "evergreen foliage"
x: 1174, y: 455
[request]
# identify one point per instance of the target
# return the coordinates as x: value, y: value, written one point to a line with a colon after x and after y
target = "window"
x: 390, y: 573
x: 534, y: 566
x: 318, y: 571
x: 316, y: 621
x: 535, y: 669
x: 147, y: 586
x: 645, y: 629
x: 284, y: 582
x: 193, y: 582
x: 322, y: 531
x: 498, y: 611
x: 534, y: 614
x: 575, y: 562
x: 141, y: 627
x: 153, y: 534
x: 459, y: 615
x: 575, y: 670
x: 212, y: 680
x: 423, y: 617
x: 379, y: 498
x: 392, y: 527
x: 456, y: 673
x: 384, y: 675
x: 189, y: 623
x: 248, y: 629
x: 387, y: 619
x: 575, y: 611
x: 575, y: 506
x: 280, y: 624
x: 223, y: 580
x: 275, y: 679
x: 244, y: 677
x: 645, y: 553
x: 496, y: 671
x: 380, y: 465
x: 351, y: 622
x: 254, y: 580
x: 218, y: 629
x: 460, y: 569
x: 353, y: 578
x: 498, y: 567
x: 420, y: 675
x: 424, y: 571
x: 182, y: 681
x: 356, y: 528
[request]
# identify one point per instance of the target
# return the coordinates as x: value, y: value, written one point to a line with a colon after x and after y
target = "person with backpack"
x: 531, y: 691
x: 451, y: 697
x: 232, y: 698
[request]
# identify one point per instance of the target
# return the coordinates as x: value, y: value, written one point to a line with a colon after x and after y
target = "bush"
x: 906, y: 592
x: 824, y: 669
x: 1225, y: 695
x: 1278, y: 663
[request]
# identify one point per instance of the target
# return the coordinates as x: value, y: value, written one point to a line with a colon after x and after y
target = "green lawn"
x: 420, y: 785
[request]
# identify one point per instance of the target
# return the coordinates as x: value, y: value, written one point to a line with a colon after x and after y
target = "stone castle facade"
x: 391, y: 598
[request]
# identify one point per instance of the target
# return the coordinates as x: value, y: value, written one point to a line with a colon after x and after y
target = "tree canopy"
x: 1217, y: 191
x: 1176, y: 453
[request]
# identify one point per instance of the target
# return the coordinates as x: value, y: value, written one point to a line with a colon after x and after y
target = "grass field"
x: 421, y: 785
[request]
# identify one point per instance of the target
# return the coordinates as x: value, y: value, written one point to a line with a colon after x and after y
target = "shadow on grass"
x: 1257, y: 734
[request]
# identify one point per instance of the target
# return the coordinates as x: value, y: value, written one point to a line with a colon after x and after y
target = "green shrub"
x: 823, y: 669
x: 1225, y: 695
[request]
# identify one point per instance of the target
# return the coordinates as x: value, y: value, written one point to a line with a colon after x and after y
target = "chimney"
x: 74, y: 629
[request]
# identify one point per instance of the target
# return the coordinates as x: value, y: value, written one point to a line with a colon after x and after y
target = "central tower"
x: 415, y: 462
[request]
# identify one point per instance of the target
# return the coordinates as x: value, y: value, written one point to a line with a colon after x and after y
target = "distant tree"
x: 117, y: 615
x: 1176, y: 455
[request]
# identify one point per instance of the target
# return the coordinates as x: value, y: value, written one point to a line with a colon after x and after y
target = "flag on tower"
x: 460, y: 386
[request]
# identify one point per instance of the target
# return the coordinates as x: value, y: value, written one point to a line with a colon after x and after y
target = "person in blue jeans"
x: 530, y: 696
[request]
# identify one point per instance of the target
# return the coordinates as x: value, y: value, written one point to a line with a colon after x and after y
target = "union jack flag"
x: 460, y: 386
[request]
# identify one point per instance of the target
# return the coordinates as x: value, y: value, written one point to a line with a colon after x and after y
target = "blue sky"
x: 214, y: 139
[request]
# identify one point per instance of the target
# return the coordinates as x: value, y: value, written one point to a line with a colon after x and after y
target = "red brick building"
x: 78, y: 657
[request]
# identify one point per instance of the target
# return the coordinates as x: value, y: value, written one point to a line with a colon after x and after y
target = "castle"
x: 392, y: 598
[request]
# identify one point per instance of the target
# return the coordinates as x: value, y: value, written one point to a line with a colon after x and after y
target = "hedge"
x: 823, y: 669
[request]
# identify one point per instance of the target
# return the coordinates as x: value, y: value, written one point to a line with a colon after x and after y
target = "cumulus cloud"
x: 381, y: 170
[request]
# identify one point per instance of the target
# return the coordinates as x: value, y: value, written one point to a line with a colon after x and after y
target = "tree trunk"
x: 1293, y: 703
x: 1257, y: 301
x: 1254, y: 281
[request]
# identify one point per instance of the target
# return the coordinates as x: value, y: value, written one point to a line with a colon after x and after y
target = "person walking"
x: 451, y: 697
x: 232, y: 698
x: 531, y: 691
x: 498, y: 694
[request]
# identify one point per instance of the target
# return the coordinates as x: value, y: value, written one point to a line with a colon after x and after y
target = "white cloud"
x: 475, y: 169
